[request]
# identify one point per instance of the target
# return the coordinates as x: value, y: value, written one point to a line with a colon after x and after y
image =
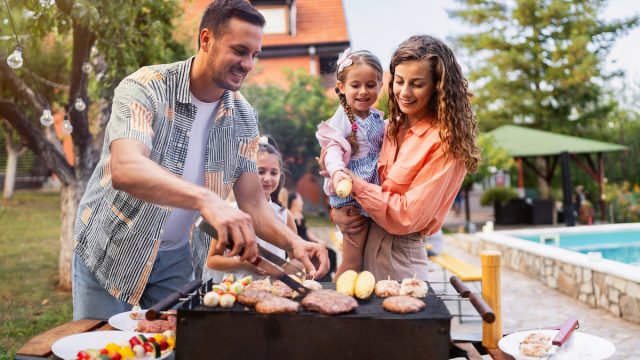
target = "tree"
x: 540, y: 62
x: 291, y: 115
x: 493, y: 157
x: 117, y: 37
x: 14, y: 151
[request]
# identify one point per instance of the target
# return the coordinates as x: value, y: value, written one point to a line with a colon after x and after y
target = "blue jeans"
x: 171, y: 270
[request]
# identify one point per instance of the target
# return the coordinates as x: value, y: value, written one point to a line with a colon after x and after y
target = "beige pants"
x: 395, y: 256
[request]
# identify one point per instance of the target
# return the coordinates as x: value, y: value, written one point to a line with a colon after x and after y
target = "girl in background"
x: 272, y: 178
x: 352, y: 138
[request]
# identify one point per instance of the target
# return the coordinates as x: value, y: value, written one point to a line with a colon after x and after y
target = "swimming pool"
x: 621, y: 245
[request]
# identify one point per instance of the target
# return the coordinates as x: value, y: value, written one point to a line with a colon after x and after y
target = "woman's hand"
x: 337, y: 176
x: 349, y: 220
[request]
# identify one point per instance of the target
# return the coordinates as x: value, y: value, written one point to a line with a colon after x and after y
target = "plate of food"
x: 115, y: 345
x: 135, y: 321
x: 536, y: 345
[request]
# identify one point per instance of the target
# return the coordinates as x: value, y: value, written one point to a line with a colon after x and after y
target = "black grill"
x: 369, y: 332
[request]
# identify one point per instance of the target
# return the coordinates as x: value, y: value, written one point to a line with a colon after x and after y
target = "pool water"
x: 619, y: 245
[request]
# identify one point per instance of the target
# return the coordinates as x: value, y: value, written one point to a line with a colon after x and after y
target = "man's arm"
x: 250, y: 199
x: 133, y: 172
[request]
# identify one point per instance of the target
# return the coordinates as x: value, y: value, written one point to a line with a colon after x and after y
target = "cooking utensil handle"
x: 460, y: 287
x: 565, y: 332
x: 187, y: 289
x: 483, y: 309
x: 154, y: 311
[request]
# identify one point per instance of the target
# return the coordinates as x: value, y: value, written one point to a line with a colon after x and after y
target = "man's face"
x: 233, y: 54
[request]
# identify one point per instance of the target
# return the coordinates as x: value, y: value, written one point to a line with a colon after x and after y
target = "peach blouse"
x: 417, y: 188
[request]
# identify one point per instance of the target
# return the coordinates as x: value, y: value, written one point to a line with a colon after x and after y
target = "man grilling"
x: 179, y: 139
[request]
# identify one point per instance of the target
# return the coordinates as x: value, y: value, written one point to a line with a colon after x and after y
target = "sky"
x: 380, y: 25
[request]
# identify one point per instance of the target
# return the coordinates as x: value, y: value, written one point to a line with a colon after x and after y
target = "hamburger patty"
x: 329, y: 302
x: 277, y: 305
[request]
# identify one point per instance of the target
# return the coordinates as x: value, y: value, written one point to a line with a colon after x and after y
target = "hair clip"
x: 344, y: 60
x: 263, y: 140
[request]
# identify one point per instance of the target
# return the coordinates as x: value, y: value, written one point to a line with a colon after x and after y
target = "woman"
x: 429, y: 145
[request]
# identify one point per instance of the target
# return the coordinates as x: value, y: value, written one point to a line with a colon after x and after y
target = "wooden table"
x: 39, y: 347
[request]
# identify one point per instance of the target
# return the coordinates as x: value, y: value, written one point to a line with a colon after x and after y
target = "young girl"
x: 272, y: 178
x: 352, y: 138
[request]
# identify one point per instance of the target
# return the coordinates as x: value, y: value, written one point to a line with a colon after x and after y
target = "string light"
x: 67, y: 128
x: 15, y: 59
x: 79, y: 104
x: 46, y: 119
x: 86, y: 67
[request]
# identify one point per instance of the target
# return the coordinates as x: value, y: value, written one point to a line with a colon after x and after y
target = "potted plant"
x: 508, y: 208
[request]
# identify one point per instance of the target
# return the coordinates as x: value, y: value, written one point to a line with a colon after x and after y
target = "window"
x: 277, y: 19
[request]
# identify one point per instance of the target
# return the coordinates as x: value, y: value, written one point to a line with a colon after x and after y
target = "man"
x: 179, y: 139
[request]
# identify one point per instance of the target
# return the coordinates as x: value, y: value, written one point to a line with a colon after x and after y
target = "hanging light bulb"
x: 79, y: 104
x: 87, y: 67
x: 46, y: 119
x: 67, y: 128
x: 15, y: 59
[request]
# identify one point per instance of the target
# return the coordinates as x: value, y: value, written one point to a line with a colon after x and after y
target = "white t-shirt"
x: 176, y: 231
x: 217, y: 276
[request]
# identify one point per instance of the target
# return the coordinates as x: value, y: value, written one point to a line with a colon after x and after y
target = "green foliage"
x: 623, y: 204
x: 493, y: 157
x: 540, y: 61
x: 500, y: 195
x: 291, y: 115
x: 128, y: 34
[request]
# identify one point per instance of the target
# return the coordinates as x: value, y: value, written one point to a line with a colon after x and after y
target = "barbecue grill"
x: 369, y: 332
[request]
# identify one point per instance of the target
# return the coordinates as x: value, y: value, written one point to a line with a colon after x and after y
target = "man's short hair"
x: 218, y: 14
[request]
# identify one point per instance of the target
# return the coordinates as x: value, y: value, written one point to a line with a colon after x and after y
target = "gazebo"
x: 524, y: 143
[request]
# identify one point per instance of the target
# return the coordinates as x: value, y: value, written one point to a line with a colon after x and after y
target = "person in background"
x: 295, y: 204
x: 269, y: 164
x: 434, y: 243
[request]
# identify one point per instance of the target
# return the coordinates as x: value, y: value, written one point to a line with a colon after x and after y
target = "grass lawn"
x: 29, y: 246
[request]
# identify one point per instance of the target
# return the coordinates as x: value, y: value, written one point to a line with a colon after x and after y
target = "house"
x: 307, y: 34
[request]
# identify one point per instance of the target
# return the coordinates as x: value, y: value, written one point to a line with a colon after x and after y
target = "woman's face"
x: 413, y: 87
x: 269, y: 172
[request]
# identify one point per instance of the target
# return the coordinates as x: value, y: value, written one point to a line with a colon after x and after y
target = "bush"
x: 501, y: 195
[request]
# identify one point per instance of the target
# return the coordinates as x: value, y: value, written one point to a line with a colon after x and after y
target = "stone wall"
x: 618, y: 295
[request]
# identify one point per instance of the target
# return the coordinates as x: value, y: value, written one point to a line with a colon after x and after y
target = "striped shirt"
x: 117, y: 235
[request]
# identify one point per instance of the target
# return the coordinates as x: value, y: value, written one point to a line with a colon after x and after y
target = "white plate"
x: 124, y: 322
x: 69, y: 346
x: 579, y: 346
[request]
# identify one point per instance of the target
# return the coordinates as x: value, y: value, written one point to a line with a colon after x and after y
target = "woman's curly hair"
x: 450, y: 101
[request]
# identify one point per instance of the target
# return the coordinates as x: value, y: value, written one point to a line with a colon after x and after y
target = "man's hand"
x: 349, y: 220
x: 313, y: 256
x: 233, y: 224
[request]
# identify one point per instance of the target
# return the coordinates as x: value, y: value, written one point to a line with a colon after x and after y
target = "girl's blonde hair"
x: 361, y: 57
x: 449, y: 103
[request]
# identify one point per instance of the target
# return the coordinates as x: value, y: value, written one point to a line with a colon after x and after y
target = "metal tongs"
x: 266, y: 261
